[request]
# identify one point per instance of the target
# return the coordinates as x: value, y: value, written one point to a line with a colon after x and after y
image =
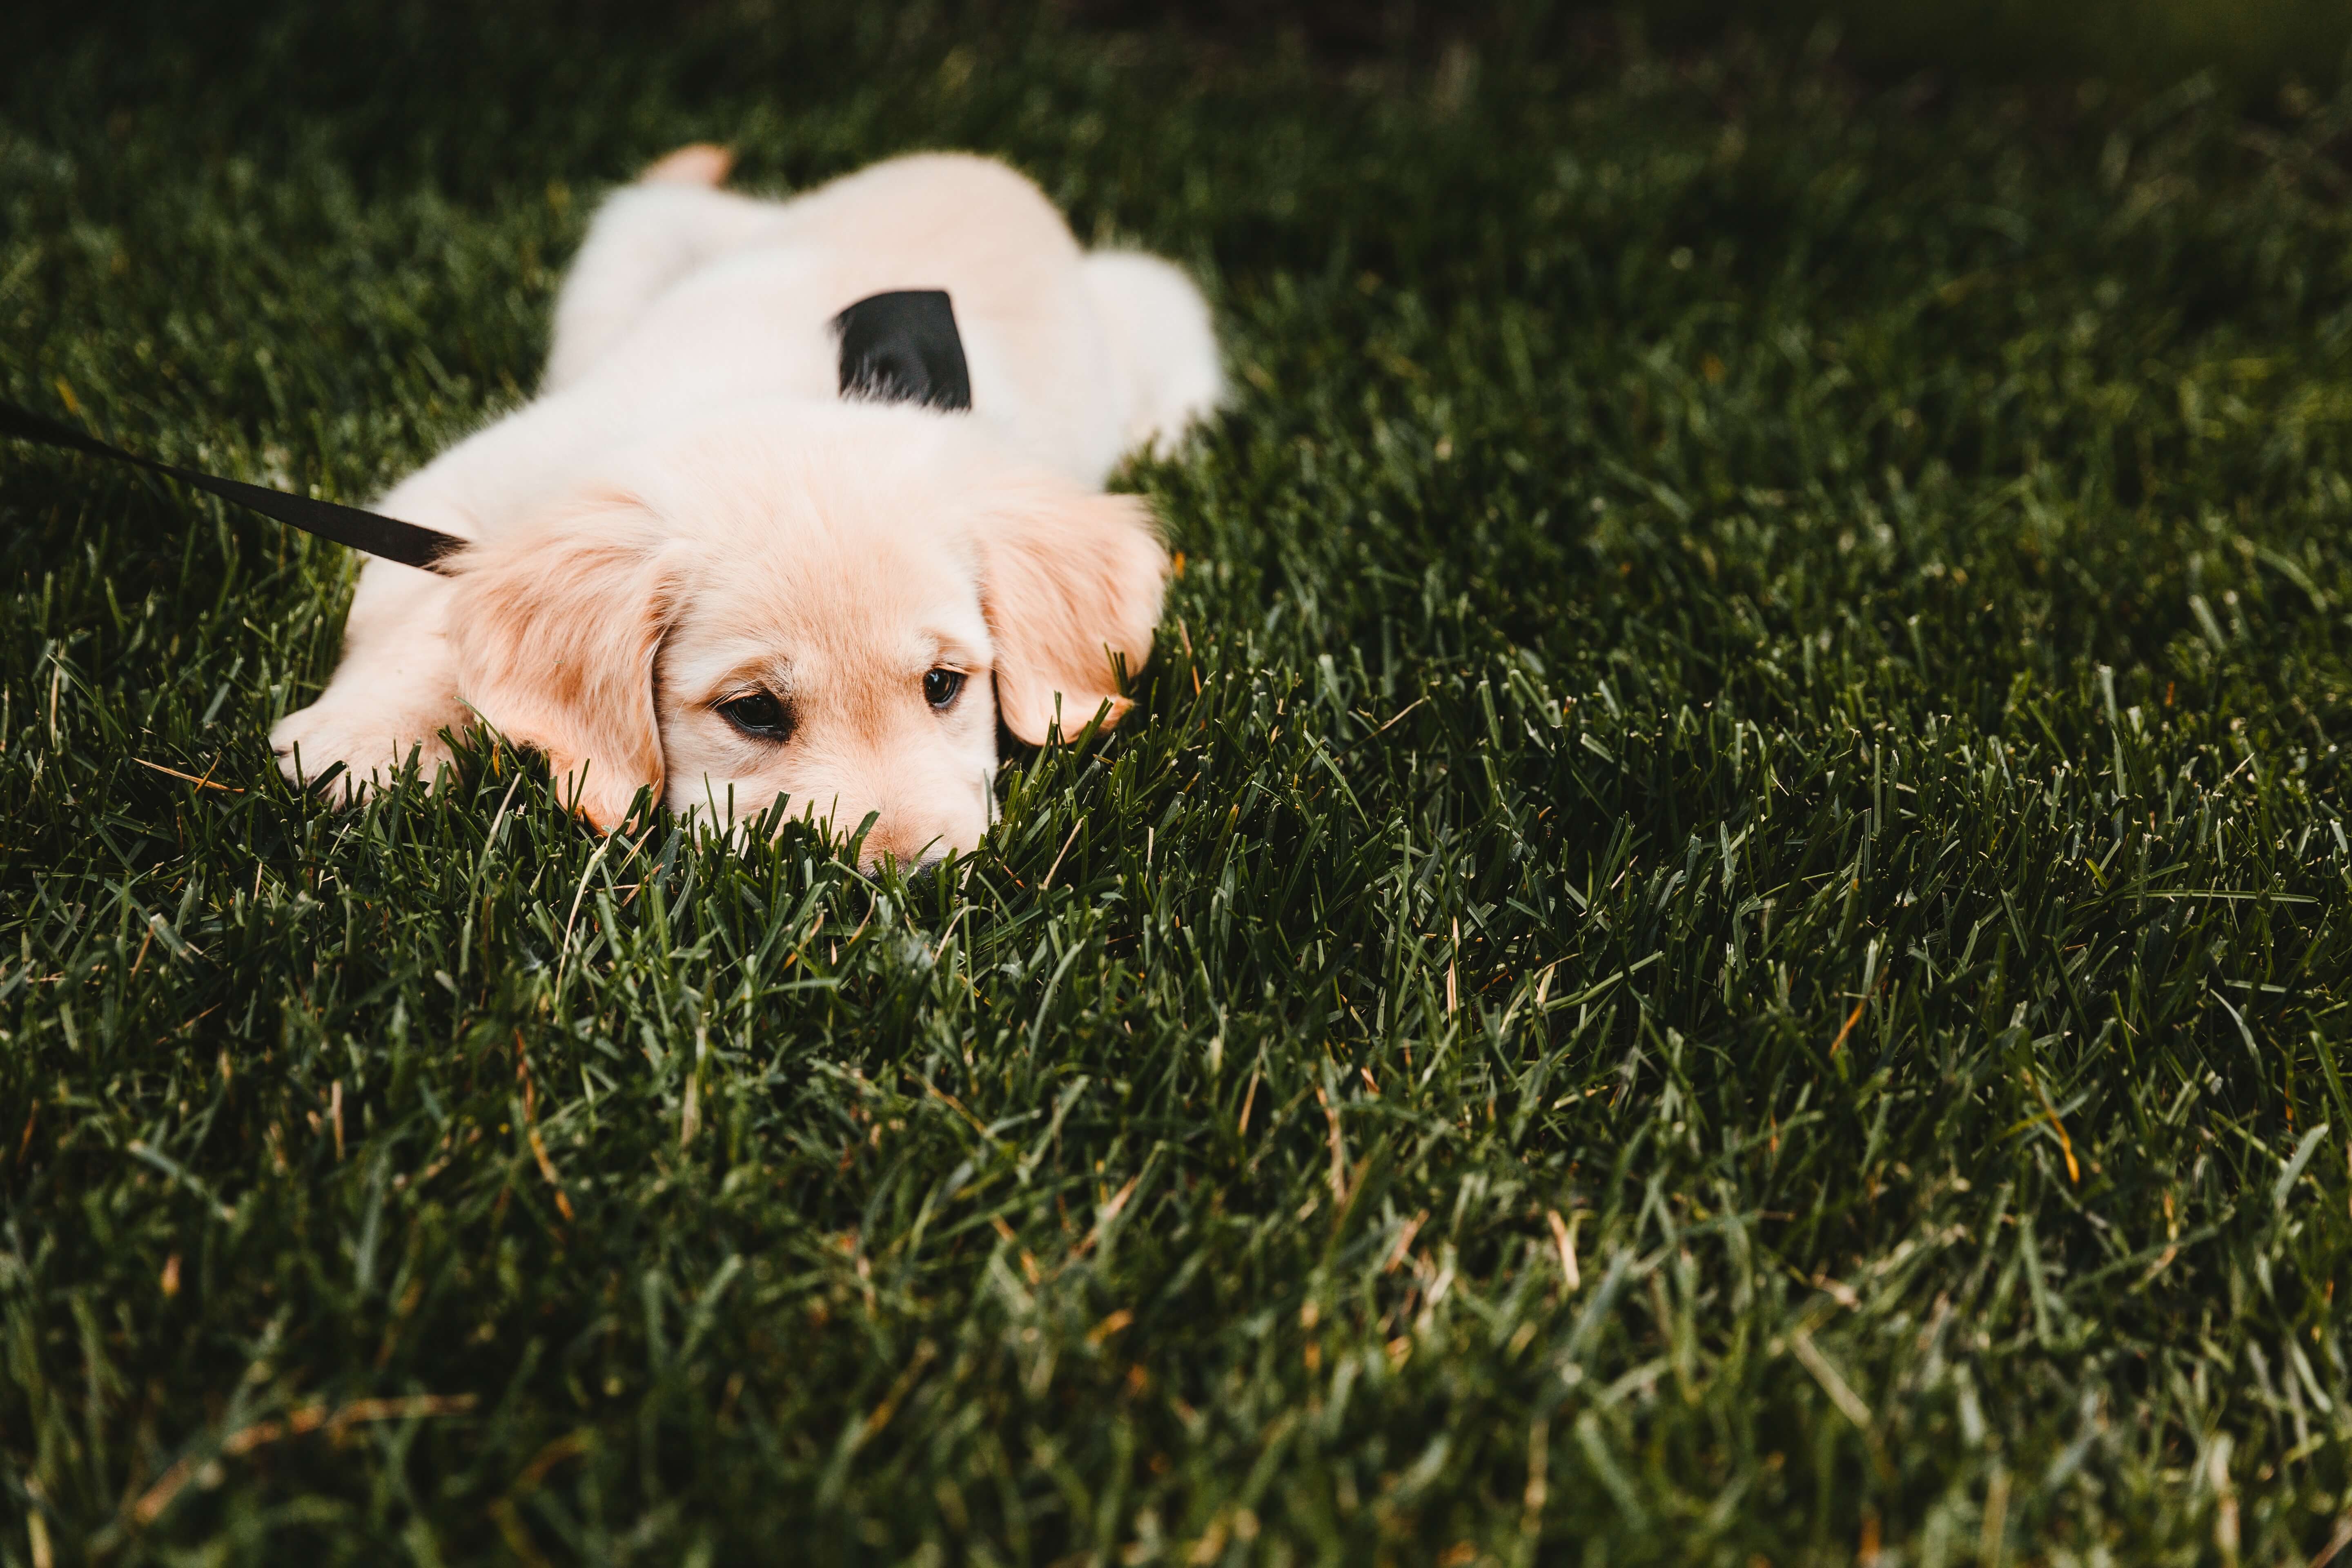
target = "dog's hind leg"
x: 696, y: 163
x: 643, y: 239
x: 1163, y: 341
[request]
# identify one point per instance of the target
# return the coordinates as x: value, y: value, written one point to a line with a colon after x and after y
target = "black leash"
x: 897, y: 347
x: 406, y: 542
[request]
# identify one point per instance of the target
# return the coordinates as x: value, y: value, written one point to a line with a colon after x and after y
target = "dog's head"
x: 834, y: 611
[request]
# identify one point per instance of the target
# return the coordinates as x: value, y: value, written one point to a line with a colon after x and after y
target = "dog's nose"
x: 919, y: 877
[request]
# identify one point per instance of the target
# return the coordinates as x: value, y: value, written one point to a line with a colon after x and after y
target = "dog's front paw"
x: 373, y: 747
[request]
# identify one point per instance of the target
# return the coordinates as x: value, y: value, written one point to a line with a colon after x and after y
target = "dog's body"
x: 693, y: 566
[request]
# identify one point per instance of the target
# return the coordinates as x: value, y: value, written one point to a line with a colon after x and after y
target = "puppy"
x: 696, y: 566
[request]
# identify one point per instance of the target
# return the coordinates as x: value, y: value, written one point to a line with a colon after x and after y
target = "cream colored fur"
x: 689, y: 513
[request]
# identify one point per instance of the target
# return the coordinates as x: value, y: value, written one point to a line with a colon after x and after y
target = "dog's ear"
x: 555, y: 629
x: 1069, y: 579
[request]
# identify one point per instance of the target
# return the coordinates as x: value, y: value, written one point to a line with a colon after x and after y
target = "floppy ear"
x: 555, y: 630
x: 1068, y: 579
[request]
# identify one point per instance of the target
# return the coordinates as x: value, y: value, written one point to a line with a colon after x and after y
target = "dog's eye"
x: 760, y: 715
x: 940, y: 687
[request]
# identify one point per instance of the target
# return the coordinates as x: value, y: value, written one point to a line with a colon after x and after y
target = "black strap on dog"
x: 902, y: 347
x: 406, y: 542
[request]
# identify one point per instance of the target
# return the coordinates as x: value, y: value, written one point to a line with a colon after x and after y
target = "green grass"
x: 2250, y: 48
x: 1756, y: 686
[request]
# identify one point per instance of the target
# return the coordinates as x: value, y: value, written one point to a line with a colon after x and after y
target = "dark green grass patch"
x: 1720, y: 934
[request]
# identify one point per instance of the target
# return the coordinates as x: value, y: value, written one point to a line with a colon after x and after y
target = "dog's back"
x: 685, y: 292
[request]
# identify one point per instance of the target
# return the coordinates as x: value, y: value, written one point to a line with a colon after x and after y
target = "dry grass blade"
x: 309, y: 1419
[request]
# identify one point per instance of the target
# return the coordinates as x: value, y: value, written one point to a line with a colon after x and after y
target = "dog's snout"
x: 922, y: 881
x: 916, y: 870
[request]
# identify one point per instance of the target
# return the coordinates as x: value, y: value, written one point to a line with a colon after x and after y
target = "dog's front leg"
x: 394, y: 693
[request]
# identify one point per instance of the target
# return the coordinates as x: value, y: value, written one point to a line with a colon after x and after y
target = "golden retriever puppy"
x: 697, y: 566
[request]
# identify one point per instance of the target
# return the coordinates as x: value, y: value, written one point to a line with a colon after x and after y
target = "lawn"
x: 1723, y: 933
